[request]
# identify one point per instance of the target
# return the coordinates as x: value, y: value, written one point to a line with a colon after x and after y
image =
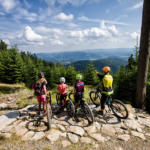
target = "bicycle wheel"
x: 88, y: 112
x: 70, y: 108
x: 58, y: 99
x: 95, y: 97
x: 49, y: 115
x: 119, y: 109
x: 71, y: 96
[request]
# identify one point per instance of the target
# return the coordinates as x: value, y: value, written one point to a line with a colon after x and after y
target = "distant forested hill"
x: 114, y: 63
x: 73, y: 56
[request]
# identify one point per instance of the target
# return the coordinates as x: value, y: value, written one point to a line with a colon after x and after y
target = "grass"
x: 10, y: 88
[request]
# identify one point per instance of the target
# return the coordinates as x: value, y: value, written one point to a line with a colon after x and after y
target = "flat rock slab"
x: 7, y: 119
x: 54, y: 135
x: 76, y: 130
x: 28, y: 136
x: 137, y: 134
x: 65, y: 143
x: 38, y: 136
x: 73, y: 138
x: 3, y: 105
x: 108, y: 130
x: 124, y: 137
x: 21, y: 132
x: 98, y: 137
x: 85, y: 140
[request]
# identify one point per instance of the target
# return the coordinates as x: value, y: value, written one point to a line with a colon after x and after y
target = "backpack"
x: 38, y: 89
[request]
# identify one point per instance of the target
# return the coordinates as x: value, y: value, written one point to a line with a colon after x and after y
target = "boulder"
x: 38, y: 136
x: 73, y: 138
x: 85, y: 140
x: 76, y: 130
x: 124, y: 137
x: 7, y: 119
x: 137, y: 134
x: 65, y: 143
x: 28, y: 136
x: 98, y: 137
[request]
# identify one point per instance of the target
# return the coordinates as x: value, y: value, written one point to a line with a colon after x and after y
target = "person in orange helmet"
x: 107, y: 81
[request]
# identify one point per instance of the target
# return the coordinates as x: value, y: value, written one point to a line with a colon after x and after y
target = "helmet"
x: 40, y: 74
x: 106, y: 69
x: 62, y: 79
x: 78, y: 77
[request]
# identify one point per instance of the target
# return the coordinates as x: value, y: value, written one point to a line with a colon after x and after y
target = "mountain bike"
x: 48, y: 109
x: 95, y: 96
x: 84, y: 108
x: 117, y: 107
x: 69, y: 105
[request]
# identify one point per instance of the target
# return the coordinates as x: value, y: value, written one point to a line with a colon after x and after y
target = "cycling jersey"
x: 107, y: 81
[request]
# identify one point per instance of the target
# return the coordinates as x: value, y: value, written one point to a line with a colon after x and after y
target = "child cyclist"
x: 40, y: 91
x: 63, y: 92
x: 79, y: 89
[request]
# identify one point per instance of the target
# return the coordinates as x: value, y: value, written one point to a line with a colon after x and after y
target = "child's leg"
x: 44, y: 108
x: 39, y: 106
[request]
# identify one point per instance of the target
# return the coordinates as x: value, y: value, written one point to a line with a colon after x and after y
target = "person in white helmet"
x: 63, y: 92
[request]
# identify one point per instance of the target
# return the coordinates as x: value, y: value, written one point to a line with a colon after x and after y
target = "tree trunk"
x: 144, y: 56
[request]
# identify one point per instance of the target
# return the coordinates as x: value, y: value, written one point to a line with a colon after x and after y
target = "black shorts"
x: 63, y: 96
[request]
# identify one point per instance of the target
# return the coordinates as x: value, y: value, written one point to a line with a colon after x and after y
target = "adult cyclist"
x: 107, y: 81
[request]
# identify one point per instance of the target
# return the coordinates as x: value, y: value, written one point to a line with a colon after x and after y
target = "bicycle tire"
x: 58, y: 99
x: 70, y: 94
x: 49, y: 115
x: 116, y: 109
x: 95, y: 98
x: 88, y: 113
x: 70, y: 108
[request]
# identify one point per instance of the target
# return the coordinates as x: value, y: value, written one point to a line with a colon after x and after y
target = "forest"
x: 20, y: 67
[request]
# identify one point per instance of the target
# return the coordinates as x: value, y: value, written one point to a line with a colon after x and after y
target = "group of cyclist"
x: 40, y: 89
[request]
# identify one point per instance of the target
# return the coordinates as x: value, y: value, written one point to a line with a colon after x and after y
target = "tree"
x: 144, y: 55
x: 3, y: 45
x: 90, y: 75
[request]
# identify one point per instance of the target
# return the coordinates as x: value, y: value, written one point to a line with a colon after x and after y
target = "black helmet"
x: 40, y: 74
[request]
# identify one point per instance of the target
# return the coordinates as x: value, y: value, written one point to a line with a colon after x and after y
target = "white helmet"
x: 62, y: 79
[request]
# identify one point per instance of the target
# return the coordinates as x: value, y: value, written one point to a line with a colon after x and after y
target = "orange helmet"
x: 106, y: 69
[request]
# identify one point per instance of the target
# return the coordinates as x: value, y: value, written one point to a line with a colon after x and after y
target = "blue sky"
x: 67, y: 25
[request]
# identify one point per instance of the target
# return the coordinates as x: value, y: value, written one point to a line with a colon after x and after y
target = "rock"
x: 98, y: 137
x: 7, y: 119
x: 73, y: 138
x: 90, y: 129
x: 133, y: 124
x: 54, y: 135
x: 64, y: 123
x: 53, y: 126
x: 65, y: 143
x: 144, y: 121
x: 124, y: 137
x: 97, y: 125
x: 38, y: 136
x: 130, y: 108
x: 119, y: 130
x: 3, y: 105
x: 137, y: 134
x: 28, y: 136
x: 6, y: 135
x: 85, y: 140
x: 108, y: 130
x: 10, y: 99
x: 62, y: 128
x: 76, y: 130
x: 21, y: 132
x: 7, y: 129
x: 147, y: 134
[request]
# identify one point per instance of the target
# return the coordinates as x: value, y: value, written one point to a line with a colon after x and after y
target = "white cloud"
x: 113, y: 29
x: 135, y: 35
x: 8, y: 4
x: 31, y: 36
x: 24, y: 14
x: 83, y: 18
x: 136, y: 6
x: 56, y: 42
x: 63, y: 17
x: 73, y: 2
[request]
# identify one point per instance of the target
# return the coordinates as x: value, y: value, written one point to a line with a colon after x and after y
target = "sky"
x: 70, y: 25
